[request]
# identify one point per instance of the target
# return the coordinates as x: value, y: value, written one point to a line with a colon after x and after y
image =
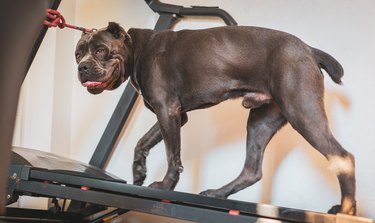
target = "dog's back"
x: 228, y: 61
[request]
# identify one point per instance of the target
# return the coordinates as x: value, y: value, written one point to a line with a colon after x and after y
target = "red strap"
x: 57, y: 20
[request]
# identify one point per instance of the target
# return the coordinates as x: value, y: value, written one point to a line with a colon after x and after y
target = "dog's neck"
x: 139, y: 41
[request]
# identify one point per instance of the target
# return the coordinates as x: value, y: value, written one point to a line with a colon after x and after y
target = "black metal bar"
x: 141, y: 204
x: 178, y: 10
x: 160, y: 7
x: 179, y: 205
x: 114, y: 127
x: 165, y: 21
x: 209, y: 11
x: 181, y: 198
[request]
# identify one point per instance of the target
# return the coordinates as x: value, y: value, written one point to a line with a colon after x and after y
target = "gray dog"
x: 278, y: 76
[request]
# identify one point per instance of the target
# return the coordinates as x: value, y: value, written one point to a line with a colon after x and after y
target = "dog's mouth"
x: 95, y: 87
x: 98, y: 86
x: 94, y: 84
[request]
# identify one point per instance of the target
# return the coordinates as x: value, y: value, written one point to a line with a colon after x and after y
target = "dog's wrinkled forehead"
x: 98, y: 38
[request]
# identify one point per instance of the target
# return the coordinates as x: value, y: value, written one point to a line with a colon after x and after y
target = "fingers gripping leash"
x: 55, y: 19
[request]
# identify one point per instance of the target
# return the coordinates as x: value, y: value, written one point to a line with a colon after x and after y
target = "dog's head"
x: 102, y: 57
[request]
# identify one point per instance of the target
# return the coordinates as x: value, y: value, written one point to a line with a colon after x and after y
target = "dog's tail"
x: 329, y: 64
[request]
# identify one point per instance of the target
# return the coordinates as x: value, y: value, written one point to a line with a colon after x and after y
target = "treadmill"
x: 90, y: 194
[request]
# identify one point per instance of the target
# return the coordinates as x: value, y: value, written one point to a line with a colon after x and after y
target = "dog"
x: 278, y: 76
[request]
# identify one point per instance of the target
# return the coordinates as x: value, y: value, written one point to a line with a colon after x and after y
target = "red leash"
x: 57, y: 20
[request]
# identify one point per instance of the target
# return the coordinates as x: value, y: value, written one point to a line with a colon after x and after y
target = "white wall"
x: 56, y: 114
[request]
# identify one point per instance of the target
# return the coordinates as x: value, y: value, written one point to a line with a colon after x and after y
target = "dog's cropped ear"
x: 116, y: 30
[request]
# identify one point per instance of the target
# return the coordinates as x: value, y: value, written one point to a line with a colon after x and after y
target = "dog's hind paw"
x: 337, y: 209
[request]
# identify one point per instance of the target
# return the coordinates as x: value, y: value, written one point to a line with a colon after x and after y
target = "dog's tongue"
x: 92, y: 83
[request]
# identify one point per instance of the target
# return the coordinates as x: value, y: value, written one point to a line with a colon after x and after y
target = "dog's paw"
x: 163, y: 185
x: 159, y: 185
x: 212, y: 193
x: 139, y: 174
x: 337, y: 209
x: 156, y: 185
x: 138, y: 181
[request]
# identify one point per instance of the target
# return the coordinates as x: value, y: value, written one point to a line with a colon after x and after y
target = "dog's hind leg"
x: 262, y: 124
x: 143, y: 147
x: 305, y: 112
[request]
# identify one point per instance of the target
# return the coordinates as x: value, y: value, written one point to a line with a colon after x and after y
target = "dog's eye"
x: 99, y: 51
x: 78, y: 57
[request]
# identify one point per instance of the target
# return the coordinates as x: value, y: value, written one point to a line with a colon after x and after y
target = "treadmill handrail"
x: 160, y: 7
x: 178, y: 10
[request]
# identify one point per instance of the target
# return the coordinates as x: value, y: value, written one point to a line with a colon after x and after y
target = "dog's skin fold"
x: 278, y: 76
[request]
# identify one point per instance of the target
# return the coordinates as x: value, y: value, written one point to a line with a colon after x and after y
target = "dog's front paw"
x: 160, y: 185
x: 337, y: 209
x: 139, y: 173
x: 212, y: 193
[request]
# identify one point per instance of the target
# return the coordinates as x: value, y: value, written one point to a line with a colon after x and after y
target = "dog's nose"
x: 84, y: 67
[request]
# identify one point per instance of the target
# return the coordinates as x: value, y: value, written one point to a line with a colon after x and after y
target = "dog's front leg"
x: 170, y: 122
x: 149, y: 140
x: 141, y: 151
